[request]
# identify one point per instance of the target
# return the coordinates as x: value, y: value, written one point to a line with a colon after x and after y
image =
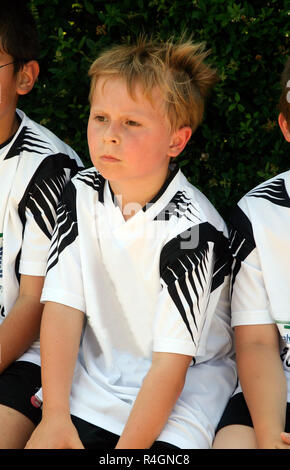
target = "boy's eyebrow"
x: 125, y: 112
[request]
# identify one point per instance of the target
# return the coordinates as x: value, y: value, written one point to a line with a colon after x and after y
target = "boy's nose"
x: 111, y: 139
x: 111, y: 135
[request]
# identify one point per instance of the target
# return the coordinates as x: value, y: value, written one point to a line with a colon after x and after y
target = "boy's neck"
x: 133, y: 196
x: 8, y: 128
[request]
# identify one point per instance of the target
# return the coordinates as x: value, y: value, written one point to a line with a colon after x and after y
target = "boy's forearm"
x: 60, y: 334
x: 150, y: 412
x: 157, y: 396
x: 264, y: 386
x: 21, y: 327
x: 61, y: 329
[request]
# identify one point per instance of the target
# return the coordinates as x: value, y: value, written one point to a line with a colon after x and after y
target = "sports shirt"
x: 156, y: 282
x: 260, y: 245
x: 34, y: 168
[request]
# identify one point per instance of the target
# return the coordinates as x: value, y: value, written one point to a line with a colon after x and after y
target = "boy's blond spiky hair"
x: 178, y: 69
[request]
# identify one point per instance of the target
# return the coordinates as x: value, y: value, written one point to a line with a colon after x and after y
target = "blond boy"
x: 148, y: 255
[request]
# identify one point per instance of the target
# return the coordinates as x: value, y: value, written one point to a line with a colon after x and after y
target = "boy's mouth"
x: 109, y: 158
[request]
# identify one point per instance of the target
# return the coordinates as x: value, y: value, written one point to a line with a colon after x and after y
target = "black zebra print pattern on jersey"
x: 196, y: 265
x: 94, y: 180
x: 274, y: 192
x: 43, y: 202
x: 27, y: 141
x: 190, y: 272
x: 179, y: 206
x: 66, y: 229
x: 242, y: 241
x: 45, y: 190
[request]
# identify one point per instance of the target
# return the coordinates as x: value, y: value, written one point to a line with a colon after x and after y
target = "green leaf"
x: 89, y: 7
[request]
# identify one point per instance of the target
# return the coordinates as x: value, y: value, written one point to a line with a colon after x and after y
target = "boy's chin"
x: 107, y: 173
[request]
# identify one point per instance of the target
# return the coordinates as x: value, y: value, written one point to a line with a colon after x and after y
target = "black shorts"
x: 237, y: 412
x: 94, y: 437
x: 18, y: 383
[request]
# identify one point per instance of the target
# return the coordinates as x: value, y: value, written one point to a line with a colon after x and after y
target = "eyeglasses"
x: 9, y: 63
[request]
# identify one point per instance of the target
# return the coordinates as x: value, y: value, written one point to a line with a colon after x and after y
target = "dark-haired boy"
x: 34, y: 168
x: 258, y: 414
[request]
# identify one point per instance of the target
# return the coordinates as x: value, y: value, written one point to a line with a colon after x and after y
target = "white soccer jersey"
x: 34, y: 168
x: 260, y: 245
x: 156, y: 282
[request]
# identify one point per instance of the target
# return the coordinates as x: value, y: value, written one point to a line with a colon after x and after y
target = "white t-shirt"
x: 6, y: 184
x: 260, y: 244
x: 157, y: 282
x: 1, y: 274
x: 34, y: 168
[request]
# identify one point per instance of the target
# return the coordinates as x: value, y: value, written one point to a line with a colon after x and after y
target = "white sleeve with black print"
x: 189, y: 277
x: 63, y: 283
x: 37, y: 210
x: 250, y: 302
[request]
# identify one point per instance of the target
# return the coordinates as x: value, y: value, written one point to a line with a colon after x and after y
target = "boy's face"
x: 130, y: 141
x: 8, y: 93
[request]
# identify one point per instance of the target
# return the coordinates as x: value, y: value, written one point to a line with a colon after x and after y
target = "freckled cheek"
x: 93, y: 138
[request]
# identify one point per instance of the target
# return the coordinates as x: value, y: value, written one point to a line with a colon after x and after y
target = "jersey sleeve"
x: 249, y: 300
x: 187, y: 280
x: 38, y: 211
x: 63, y: 283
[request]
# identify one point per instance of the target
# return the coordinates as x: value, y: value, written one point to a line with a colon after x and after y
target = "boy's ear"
x: 284, y: 126
x: 179, y: 141
x: 27, y: 76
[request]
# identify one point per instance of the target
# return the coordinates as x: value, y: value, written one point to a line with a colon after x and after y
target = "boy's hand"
x: 160, y: 390
x: 275, y: 441
x: 285, y: 437
x: 55, y: 433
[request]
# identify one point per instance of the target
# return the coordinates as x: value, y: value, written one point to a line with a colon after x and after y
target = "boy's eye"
x: 133, y: 123
x: 100, y: 118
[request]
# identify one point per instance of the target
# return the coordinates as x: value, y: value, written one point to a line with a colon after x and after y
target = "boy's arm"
x: 157, y: 396
x: 263, y: 381
x: 186, y: 275
x: 61, y: 329
x: 21, y: 326
x: 257, y: 338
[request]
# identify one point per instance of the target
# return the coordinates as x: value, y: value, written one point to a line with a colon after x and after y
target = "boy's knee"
x: 16, y: 427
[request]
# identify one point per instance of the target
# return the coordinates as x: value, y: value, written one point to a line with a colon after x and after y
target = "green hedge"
x: 239, y: 143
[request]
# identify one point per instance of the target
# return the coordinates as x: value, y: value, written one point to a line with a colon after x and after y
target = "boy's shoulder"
x: 268, y: 196
x: 89, y: 178
x: 206, y: 210
x: 263, y: 206
x: 274, y: 190
x: 33, y: 137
